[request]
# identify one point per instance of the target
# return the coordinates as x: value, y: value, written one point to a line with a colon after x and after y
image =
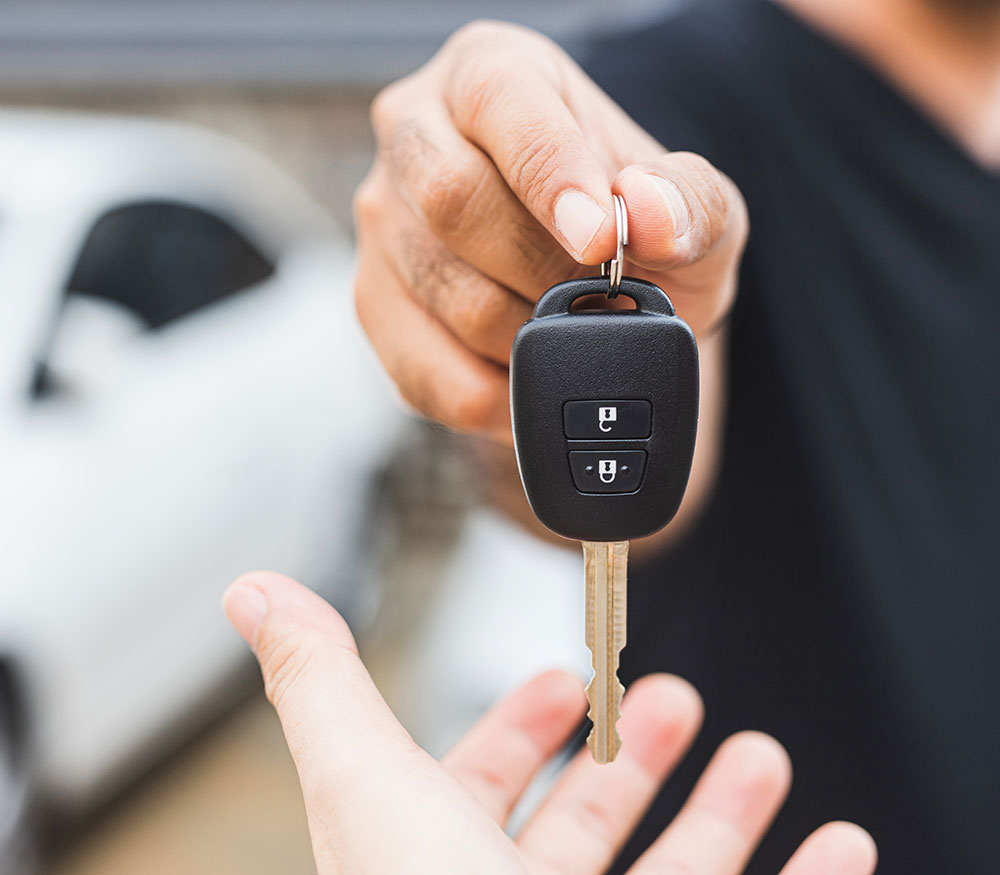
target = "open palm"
x: 377, y: 803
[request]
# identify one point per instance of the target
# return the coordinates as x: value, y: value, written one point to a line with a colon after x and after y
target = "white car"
x: 184, y: 395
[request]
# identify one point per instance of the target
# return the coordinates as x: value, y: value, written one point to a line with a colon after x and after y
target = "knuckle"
x: 492, y: 780
x: 483, y: 58
x: 710, y: 189
x: 385, y: 108
x: 534, y: 164
x: 404, y: 147
x: 466, y: 302
x: 362, y: 303
x: 448, y: 197
x: 409, y: 374
x: 367, y: 202
x: 482, y: 80
x: 478, y: 34
x: 466, y: 403
x: 694, y: 162
x: 430, y: 273
x: 483, y: 76
x: 483, y: 34
x: 594, y: 819
x: 475, y: 408
x: 484, y: 314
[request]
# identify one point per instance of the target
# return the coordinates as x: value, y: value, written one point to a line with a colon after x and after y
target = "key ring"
x: 613, y: 268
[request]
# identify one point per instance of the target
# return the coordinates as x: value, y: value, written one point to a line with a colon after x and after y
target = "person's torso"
x: 842, y: 589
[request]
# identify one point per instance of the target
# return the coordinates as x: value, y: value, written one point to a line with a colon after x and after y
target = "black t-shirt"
x: 842, y: 591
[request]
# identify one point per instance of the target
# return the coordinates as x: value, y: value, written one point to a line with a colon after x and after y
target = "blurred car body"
x: 184, y: 395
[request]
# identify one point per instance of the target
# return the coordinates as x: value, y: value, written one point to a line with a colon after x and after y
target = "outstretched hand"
x: 377, y: 803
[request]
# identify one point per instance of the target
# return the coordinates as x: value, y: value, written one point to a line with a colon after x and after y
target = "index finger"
x: 504, y: 95
x: 499, y: 756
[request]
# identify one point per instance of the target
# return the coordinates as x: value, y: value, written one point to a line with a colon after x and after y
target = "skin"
x: 943, y: 54
x: 377, y: 803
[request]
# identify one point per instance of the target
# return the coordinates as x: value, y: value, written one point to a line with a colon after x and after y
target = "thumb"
x: 688, y: 226
x: 331, y: 712
x: 374, y: 800
x: 681, y: 211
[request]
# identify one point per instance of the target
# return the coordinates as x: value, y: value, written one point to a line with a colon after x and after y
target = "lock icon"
x: 607, y: 470
x: 606, y: 415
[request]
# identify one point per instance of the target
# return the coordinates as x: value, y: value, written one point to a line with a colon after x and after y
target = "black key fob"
x: 604, y: 405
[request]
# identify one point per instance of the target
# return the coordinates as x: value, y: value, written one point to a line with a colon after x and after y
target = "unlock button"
x: 607, y: 471
x: 607, y: 420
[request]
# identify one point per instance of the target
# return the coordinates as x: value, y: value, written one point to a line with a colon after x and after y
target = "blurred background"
x: 185, y: 395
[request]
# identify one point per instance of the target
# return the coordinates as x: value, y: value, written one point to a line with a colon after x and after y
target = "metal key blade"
x: 605, y: 565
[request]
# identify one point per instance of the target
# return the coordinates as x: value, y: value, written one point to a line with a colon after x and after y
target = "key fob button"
x: 610, y: 471
x: 606, y: 420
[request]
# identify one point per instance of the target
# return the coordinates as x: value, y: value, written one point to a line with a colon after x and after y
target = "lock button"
x: 606, y: 420
x: 611, y: 471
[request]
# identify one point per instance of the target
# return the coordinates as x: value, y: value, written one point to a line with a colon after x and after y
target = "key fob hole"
x: 598, y: 303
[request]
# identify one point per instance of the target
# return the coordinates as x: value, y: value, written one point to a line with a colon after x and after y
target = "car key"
x: 604, y: 407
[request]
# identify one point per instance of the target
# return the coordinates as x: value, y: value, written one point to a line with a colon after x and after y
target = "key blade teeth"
x: 604, y: 746
x: 616, y: 692
x: 611, y: 709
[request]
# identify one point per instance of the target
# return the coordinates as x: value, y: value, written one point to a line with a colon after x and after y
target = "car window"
x: 164, y: 260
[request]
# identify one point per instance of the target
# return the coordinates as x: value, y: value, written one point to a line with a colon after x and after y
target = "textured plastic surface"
x: 643, y: 354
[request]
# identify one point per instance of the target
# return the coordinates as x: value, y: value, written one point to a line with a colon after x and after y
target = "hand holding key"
x: 378, y: 805
x: 493, y: 181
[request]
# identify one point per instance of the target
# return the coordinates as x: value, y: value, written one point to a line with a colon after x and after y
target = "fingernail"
x: 674, y: 201
x: 245, y: 605
x: 578, y: 218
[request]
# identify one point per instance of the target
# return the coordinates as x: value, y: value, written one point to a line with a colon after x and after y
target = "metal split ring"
x: 613, y: 269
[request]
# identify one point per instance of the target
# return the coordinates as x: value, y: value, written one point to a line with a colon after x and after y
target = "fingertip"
x: 846, y: 847
x: 658, y: 215
x: 259, y: 602
x: 661, y: 715
x: 602, y: 246
x: 245, y: 605
x: 757, y: 763
x: 670, y: 697
x: 680, y: 208
x: 560, y: 687
x: 263, y: 579
x: 836, y: 848
x: 553, y: 698
x: 584, y: 224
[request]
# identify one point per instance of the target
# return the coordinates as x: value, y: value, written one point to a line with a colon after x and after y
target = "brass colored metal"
x: 605, y: 570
